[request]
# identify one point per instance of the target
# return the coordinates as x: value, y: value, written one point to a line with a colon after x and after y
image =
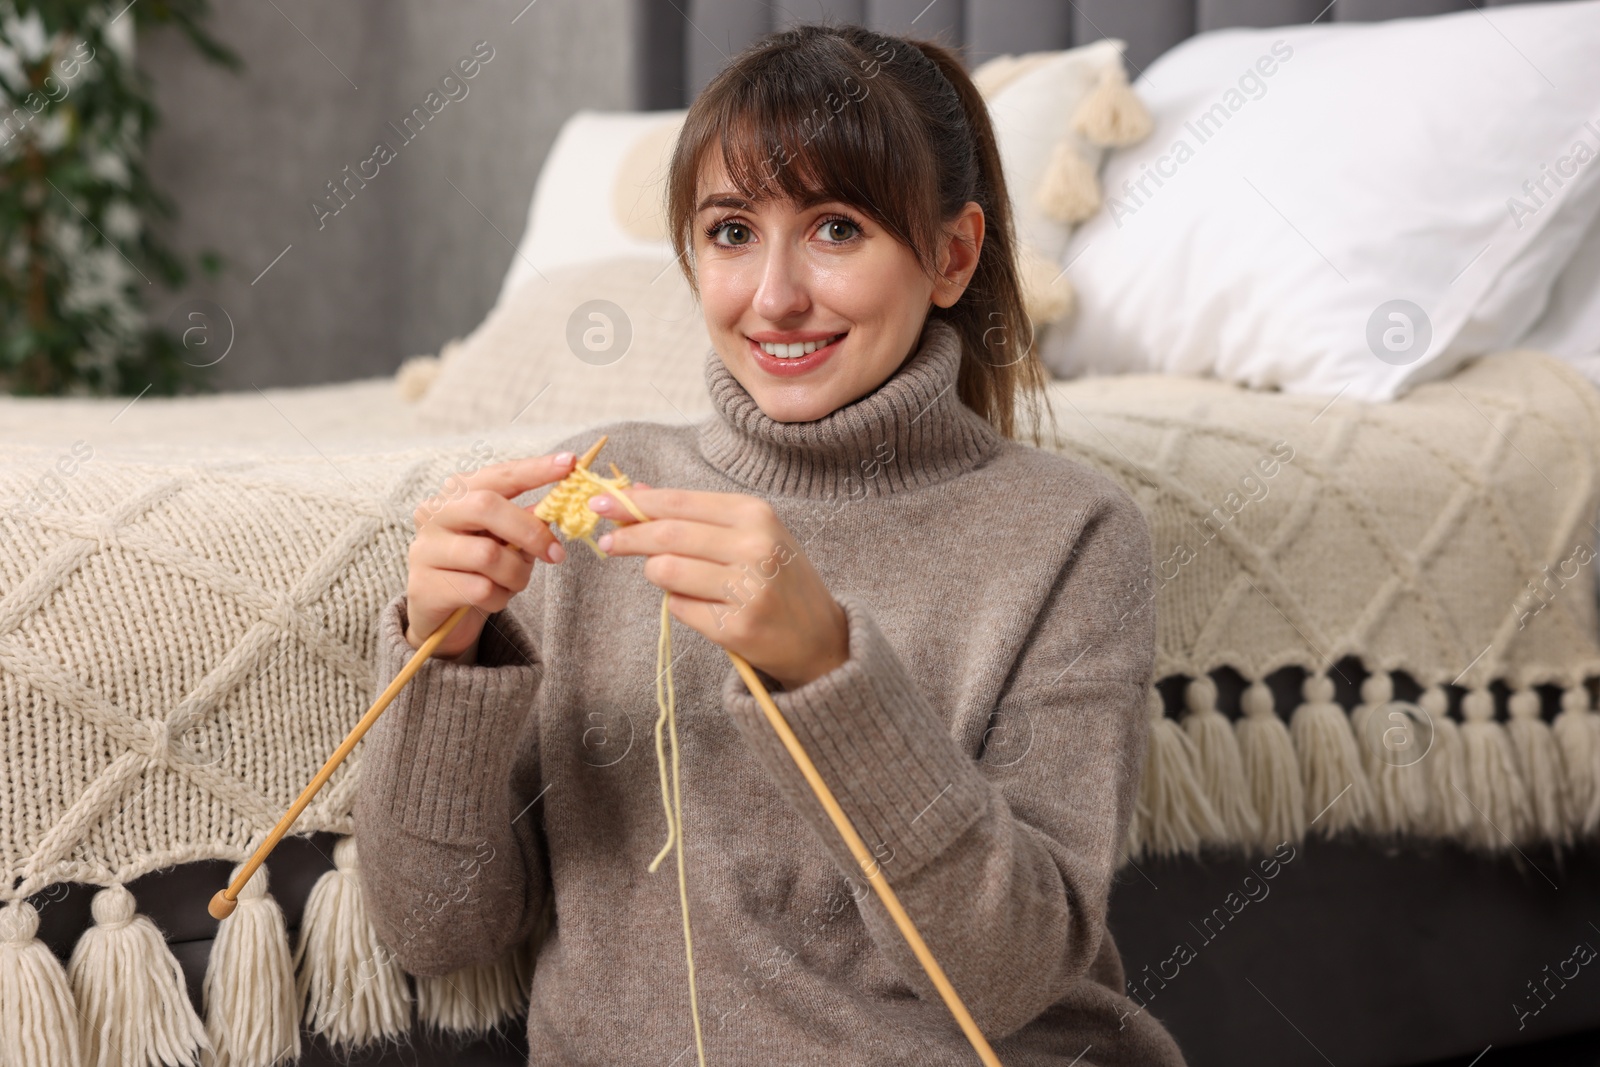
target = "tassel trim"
x: 123, y: 997
x: 1490, y: 780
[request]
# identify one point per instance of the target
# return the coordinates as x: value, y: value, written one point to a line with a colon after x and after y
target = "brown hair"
x: 895, y: 128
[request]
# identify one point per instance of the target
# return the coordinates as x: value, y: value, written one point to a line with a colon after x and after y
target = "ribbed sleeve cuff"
x: 880, y: 746
x: 441, y: 753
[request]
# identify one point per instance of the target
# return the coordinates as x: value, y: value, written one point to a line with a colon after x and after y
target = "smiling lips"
x: 797, y: 349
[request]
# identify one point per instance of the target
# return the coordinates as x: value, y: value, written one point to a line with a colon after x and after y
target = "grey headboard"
x: 684, y: 42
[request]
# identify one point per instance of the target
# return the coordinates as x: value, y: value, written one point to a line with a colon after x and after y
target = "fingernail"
x: 563, y: 458
x: 605, y: 542
x: 599, y: 503
x: 555, y: 554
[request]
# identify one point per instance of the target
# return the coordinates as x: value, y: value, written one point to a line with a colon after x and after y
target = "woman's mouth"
x: 792, y: 359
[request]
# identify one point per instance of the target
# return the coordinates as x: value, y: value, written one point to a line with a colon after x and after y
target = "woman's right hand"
x: 474, y: 546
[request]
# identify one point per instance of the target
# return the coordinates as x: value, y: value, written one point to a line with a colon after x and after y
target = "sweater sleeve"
x: 1004, y: 862
x: 452, y: 862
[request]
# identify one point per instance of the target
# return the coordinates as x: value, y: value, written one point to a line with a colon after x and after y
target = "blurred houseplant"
x: 78, y: 263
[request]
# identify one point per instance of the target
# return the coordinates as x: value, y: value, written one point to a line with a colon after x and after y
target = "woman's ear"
x: 958, y: 258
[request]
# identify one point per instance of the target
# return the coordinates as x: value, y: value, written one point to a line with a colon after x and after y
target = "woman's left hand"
x: 735, y: 574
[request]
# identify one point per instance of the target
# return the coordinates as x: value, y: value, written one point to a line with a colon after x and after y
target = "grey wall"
x: 409, y: 262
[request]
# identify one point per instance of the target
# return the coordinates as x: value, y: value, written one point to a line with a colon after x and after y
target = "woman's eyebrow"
x: 728, y: 200
x: 739, y: 203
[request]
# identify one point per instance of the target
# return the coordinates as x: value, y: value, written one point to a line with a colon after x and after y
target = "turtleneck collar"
x: 911, y: 431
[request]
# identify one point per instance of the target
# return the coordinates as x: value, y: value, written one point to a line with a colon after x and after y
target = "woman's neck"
x: 911, y: 431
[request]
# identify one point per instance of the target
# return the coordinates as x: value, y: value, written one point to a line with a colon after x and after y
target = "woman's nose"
x: 782, y: 291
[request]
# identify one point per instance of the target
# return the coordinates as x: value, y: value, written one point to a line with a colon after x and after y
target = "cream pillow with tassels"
x: 1054, y: 115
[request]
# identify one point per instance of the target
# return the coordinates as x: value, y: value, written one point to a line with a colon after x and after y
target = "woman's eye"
x: 833, y: 227
x: 729, y: 228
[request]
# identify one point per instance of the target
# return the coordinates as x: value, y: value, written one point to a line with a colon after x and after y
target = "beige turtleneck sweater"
x: 985, y: 737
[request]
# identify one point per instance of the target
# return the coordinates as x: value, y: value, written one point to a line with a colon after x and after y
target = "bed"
x: 1378, y: 645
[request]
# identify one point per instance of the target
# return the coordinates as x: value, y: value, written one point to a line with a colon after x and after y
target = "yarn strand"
x: 668, y: 706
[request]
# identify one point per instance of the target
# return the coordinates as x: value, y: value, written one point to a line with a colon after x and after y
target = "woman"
x: 946, y: 617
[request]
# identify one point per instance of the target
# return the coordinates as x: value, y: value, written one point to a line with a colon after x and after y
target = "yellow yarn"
x: 567, y: 505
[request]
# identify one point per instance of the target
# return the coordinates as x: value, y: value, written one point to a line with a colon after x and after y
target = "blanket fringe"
x: 1387, y: 730
x: 1577, y: 736
x: 1450, y: 812
x: 1171, y: 812
x: 1494, y: 788
x: 1388, y: 767
x: 38, y: 1018
x: 1271, y: 768
x: 1218, y: 763
x: 252, y: 1015
x: 353, y: 988
x: 133, y: 1002
x: 1337, y: 793
x: 1539, y: 763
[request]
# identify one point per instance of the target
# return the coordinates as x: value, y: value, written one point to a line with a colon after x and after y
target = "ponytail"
x: 1000, y: 363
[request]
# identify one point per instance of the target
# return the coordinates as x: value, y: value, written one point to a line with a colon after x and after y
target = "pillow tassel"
x: 1220, y: 767
x: 1047, y: 295
x: 1172, y: 812
x: 416, y: 376
x: 1399, y: 782
x: 1069, y: 189
x: 1577, y: 735
x: 1499, y: 797
x: 1267, y: 752
x: 1338, y: 795
x: 252, y: 1016
x: 474, y: 999
x: 38, y: 1019
x: 1112, y: 115
x: 132, y: 998
x: 1540, y: 763
x: 351, y: 986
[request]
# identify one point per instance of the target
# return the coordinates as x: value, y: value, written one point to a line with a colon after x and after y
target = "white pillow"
x: 572, y: 218
x: 1302, y: 179
x: 1570, y: 325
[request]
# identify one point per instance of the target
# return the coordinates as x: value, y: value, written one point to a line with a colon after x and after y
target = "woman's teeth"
x: 798, y: 349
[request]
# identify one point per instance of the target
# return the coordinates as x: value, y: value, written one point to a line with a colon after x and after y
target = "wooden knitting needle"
x: 858, y: 848
x: 225, y: 900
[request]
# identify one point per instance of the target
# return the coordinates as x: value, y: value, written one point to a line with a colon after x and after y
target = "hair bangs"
x: 813, y: 134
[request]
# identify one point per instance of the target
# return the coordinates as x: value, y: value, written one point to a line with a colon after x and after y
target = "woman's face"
x: 824, y: 277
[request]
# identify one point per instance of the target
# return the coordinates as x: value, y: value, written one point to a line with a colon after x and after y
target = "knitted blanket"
x: 1430, y: 561
x: 185, y: 639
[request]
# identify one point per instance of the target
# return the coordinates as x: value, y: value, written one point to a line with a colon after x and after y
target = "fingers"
x: 683, y: 537
x: 688, y: 577
x: 515, y: 477
x: 616, y: 510
x: 717, y: 509
x: 484, y: 511
x: 443, y: 550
